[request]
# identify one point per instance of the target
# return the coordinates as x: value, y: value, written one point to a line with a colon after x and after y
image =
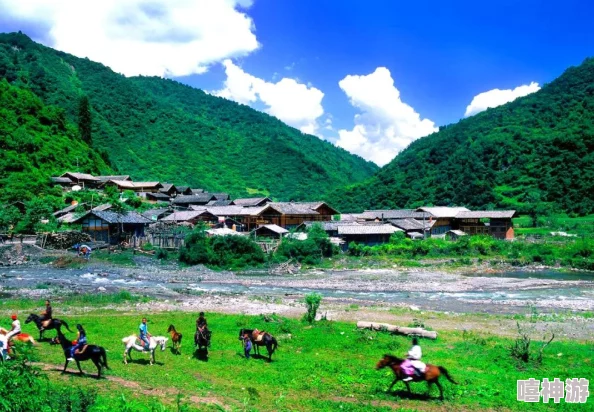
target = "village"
x: 176, y: 209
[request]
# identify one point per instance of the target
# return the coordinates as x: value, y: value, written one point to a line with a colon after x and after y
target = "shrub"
x: 222, y: 251
x: 521, y: 349
x: 162, y: 254
x: 312, y: 301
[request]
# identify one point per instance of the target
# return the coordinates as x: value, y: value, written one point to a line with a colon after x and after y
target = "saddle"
x: 45, y: 323
x: 257, y: 335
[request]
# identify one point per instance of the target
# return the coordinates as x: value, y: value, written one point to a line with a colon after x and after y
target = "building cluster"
x: 263, y: 218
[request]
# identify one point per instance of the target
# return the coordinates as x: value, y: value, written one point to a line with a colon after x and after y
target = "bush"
x: 222, y: 251
x: 309, y: 251
x: 312, y: 301
x: 162, y: 254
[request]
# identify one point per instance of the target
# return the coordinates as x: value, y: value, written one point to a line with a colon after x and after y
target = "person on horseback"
x: 81, y: 342
x: 414, y: 359
x: 144, y: 335
x: 202, y: 327
x: 15, y: 329
x: 46, y: 316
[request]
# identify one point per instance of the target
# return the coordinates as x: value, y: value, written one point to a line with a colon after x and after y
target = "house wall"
x: 368, y: 240
x: 498, y: 228
x: 98, y: 229
x: 441, y: 226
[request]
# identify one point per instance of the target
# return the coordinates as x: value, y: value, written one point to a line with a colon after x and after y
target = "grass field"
x: 328, y: 366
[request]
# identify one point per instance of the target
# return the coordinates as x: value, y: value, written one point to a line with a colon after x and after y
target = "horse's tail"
x: 445, y: 373
x: 65, y: 324
x: 274, y: 344
x: 104, y: 358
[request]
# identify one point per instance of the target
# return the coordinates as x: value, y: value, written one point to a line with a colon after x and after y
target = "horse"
x: 21, y: 337
x: 267, y: 340
x: 431, y: 375
x: 53, y: 324
x: 130, y: 343
x: 202, y: 340
x: 93, y: 352
x: 176, y: 339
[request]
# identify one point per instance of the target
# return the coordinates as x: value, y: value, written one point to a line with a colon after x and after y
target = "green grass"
x: 329, y: 366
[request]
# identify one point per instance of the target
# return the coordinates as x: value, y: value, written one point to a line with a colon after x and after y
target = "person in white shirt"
x: 414, y: 356
x: 16, y: 327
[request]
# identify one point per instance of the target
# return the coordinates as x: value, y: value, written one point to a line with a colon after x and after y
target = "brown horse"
x: 431, y: 375
x: 176, y: 339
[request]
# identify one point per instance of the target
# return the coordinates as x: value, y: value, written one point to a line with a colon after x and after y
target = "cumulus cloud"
x: 385, y: 124
x: 294, y: 103
x: 497, y: 97
x: 148, y: 37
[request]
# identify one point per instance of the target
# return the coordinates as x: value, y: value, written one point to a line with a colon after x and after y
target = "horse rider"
x: 81, y: 342
x: 46, y: 316
x: 414, y: 358
x: 202, y: 325
x: 15, y: 329
x: 144, y: 335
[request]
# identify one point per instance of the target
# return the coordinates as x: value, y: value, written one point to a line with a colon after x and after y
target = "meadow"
x: 325, y: 366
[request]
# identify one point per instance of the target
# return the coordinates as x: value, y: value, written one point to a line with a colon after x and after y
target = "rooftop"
x: 357, y: 229
x: 486, y: 214
x: 114, y: 217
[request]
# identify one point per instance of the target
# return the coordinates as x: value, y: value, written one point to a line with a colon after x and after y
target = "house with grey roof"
x: 252, y: 201
x: 199, y: 199
x: 112, y: 227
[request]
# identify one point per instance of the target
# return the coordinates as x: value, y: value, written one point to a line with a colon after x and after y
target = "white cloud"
x: 386, y: 124
x: 294, y: 103
x: 497, y: 97
x: 149, y: 37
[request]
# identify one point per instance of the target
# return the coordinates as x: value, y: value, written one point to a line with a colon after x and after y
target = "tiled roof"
x: 411, y: 224
x: 67, y: 209
x: 486, y: 214
x: 357, y: 229
x: 156, y: 212
x: 158, y: 196
x: 219, y: 203
x: 80, y: 176
x: 197, y: 199
x: 295, y: 208
x: 107, y: 178
x: 442, y: 211
x: 104, y: 206
x: 114, y: 217
x: 59, y: 179
x: 127, y: 184
x: 251, y: 201
x: 184, y: 216
x: 391, y: 214
x: 274, y: 228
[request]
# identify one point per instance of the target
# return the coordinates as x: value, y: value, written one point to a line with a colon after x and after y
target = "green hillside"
x: 537, y: 151
x: 36, y: 142
x: 162, y: 130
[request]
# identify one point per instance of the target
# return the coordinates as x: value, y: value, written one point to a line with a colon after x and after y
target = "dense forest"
x: 535, y: 152
x: 37, y: 141
x: 159, y: 129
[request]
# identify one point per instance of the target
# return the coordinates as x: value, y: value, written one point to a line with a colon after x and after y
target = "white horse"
x: 130, y: 343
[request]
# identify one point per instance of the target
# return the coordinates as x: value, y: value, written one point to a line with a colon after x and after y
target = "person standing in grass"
x: 247, y: 345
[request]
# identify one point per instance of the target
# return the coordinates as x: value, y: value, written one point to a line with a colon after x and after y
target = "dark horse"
x: 267, y: 340
x: 54, y: 324
x: 92, y: 352
x: 431, y: 375
x: 202, y: 340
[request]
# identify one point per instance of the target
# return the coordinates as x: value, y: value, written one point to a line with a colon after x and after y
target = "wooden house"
x: 192, y: 217
x: 84, y: 180
x: 64, y: 182
x: 366, y: 234
x: 441, y: 218
x: 67, y: 209
x: 156, y: 197
x: 112, y: 227
x: 187, y: 191
x: 268, y: 232
x: 497, y: 223
x: 289, y: 215
x: 168, y: 189
x: 138, y: 187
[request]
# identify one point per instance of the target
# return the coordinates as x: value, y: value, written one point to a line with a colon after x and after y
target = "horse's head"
x: 31, y: 318
x: 171, y: 328
x: 387, y: 360
x: 244, y: 331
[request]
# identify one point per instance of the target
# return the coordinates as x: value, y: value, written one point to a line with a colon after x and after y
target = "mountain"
x: 36, y: 142
x: 158, y: 129
x: 538, y: 149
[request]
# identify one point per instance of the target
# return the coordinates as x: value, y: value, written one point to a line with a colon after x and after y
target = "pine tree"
x: 84, y: 120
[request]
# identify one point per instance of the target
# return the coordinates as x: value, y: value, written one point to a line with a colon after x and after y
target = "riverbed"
x: 468, y: 291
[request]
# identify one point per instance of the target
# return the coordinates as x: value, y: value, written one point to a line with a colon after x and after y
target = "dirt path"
x: 119, y: 382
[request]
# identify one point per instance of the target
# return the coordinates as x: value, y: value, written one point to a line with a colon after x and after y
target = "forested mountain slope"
x: 538, y: 149
x: 159, y: 129
x: 36, y: 142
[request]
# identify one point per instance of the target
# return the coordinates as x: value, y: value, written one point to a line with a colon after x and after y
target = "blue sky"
x: 314, y: 64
